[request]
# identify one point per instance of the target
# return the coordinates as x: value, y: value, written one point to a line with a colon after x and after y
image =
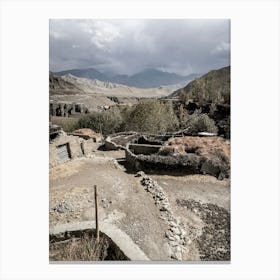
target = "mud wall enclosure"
x: 146, y: 158
x: 202, y: 154
x: 66, y: 147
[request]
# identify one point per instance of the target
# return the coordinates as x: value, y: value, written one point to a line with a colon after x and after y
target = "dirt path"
x: 124, y: 202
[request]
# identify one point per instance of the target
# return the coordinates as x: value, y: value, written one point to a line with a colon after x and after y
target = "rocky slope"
x: 57, y: 85
x: 213, y: 87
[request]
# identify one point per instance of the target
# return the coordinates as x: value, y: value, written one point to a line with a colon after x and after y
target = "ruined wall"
x: 79, y: 147
x: 144, y: 149
x: 122, y: 139
x: 186, y: 164
x: 111, y: 146
x: 66, y: 109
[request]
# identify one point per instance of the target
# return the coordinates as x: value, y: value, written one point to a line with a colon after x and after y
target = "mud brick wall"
x: 79, y: 147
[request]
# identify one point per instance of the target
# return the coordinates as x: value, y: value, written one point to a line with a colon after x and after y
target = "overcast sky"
x: 129, y: 46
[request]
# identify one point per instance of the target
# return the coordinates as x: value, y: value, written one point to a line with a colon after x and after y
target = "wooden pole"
x: 96, y: 214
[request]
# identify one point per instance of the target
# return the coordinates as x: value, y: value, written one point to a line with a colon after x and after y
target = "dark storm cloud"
x: 129, y: 46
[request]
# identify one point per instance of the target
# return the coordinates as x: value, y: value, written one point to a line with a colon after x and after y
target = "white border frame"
x: 255, y: 138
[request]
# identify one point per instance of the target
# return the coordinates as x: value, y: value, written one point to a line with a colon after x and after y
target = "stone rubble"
x: 62, y: 207
x: 105, y: 203
x: 176, y: 235
x: 214, y: 241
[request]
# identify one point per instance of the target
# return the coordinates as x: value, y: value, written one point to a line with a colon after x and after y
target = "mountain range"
x: 149, y: 78
x: 72, y: 85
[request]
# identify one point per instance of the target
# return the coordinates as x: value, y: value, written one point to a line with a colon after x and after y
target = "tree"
x: 152, y: 116
x: 200, y: 123
x: 104, y: 122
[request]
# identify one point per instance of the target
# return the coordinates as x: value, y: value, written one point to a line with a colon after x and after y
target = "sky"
x: 181, y: 46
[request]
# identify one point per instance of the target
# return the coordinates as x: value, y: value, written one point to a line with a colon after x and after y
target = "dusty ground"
x: 183, y: 192
x: 125, y: 203
x: 122, y: 200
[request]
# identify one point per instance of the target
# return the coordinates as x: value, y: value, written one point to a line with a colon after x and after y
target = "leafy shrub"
x: 104, y: 122
x: 147, y: 116
x: 67, y: 124
x: 200, y: 123
x: 152, y: 116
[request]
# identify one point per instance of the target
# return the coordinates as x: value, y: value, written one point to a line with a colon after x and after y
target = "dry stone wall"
x: 176, y: 236
x: 187, y: 164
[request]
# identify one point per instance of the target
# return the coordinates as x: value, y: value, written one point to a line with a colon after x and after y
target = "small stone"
x: 140, y: 174
x: 178, y: 249
x: 175, y: 230
x: 183, y: 232
x: 171, y: 238
x: 177, y: 238
x: 163, y: 208
x: 172, y: 224
x: 177, y: 256
x: 173, y: 243
x: 188, y: 241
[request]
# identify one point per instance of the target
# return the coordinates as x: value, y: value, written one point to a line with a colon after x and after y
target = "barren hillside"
x: 111, y: 89
x: 57, y: 85
x: 214, y: 87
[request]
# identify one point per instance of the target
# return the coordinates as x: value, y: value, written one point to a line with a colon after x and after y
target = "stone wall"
x: 144, y: 149
x: 111, y: 146
x: 186, y: 164
x: 66, y: 109
x: 78, y: 146
x: 176, y: 234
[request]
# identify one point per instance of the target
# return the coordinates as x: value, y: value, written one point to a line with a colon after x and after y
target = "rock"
x: 176, y: 230
x: 105, y: 203
x: 183, y: 232
x: 177, y: 238
x: 167, y: 233
x: 178, y: 249
x: 63, y: 207
x: 177, y: 256
x: 163, y: 208
x: 171, y: 238
x: 172, y: 224
x: 221, y: 176
x: 173, y: 243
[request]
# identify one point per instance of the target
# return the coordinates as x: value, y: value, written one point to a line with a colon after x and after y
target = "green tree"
x: 200, y: 123
x: 152, y: 116
x: 104, y: 122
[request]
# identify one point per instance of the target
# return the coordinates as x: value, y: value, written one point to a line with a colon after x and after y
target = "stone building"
x: 67, y: 109
x: 66, y: 147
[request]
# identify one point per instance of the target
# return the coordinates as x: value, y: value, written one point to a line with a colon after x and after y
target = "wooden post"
x: 96, y: 214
